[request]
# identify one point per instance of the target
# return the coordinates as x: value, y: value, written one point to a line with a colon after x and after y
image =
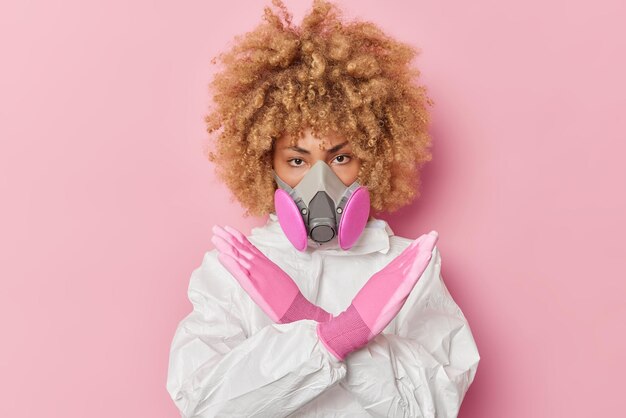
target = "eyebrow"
x: 329, y: 151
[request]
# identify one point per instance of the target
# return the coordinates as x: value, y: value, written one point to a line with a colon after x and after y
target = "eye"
x: 342, y: 159
x: 296, y: 162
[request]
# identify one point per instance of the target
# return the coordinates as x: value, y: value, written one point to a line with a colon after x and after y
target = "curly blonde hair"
x: 327, y: 75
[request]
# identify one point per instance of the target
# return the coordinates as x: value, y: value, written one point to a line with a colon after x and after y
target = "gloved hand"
x: 378, y: 301
x: 267, y: 284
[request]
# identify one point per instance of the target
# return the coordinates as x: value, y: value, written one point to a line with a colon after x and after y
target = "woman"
x: 308, y: 316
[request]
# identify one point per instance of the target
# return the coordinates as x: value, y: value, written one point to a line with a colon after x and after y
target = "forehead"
x: 310, y: 141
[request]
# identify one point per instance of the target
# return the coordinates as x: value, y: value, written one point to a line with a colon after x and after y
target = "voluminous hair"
x: 328, y: 75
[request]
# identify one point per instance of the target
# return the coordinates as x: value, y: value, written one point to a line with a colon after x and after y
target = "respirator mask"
x: 321, y: 207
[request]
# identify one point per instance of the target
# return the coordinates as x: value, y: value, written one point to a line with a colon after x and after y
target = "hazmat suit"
x: 228, y: 358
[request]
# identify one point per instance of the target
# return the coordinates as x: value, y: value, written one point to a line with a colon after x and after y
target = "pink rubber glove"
x: 379, y: 301
x: 267, y: 284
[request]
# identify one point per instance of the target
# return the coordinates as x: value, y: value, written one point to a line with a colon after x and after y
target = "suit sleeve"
x: 218, y: 367
x: 423, y: 363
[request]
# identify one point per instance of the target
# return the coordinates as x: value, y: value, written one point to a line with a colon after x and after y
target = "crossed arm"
x: 423, y: 368
x: 371, y: 310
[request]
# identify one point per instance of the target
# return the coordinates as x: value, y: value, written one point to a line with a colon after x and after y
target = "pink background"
x: 107, y: 202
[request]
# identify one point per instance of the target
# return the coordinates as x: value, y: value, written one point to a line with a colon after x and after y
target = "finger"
x: 413, y: 251
x: 407, y: 254
x: 244, y: 241
x: 218, y: 230
x: 232, y: 240
x: 429, y: 241
x: 423, y: 258
x: 224, y: 246
x: 417, y: 254
x: 400, y: 262
x: 425, y: 248
x: 240, y: 237
x: 233, y: 267
x: 434, y: 235
x: 420, y: 265
x: 419, y: 240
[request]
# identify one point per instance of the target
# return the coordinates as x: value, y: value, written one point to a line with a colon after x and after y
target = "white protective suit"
x: 229, y: 359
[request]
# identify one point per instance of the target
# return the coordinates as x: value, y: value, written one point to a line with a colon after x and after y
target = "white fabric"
x: 229, y: 359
